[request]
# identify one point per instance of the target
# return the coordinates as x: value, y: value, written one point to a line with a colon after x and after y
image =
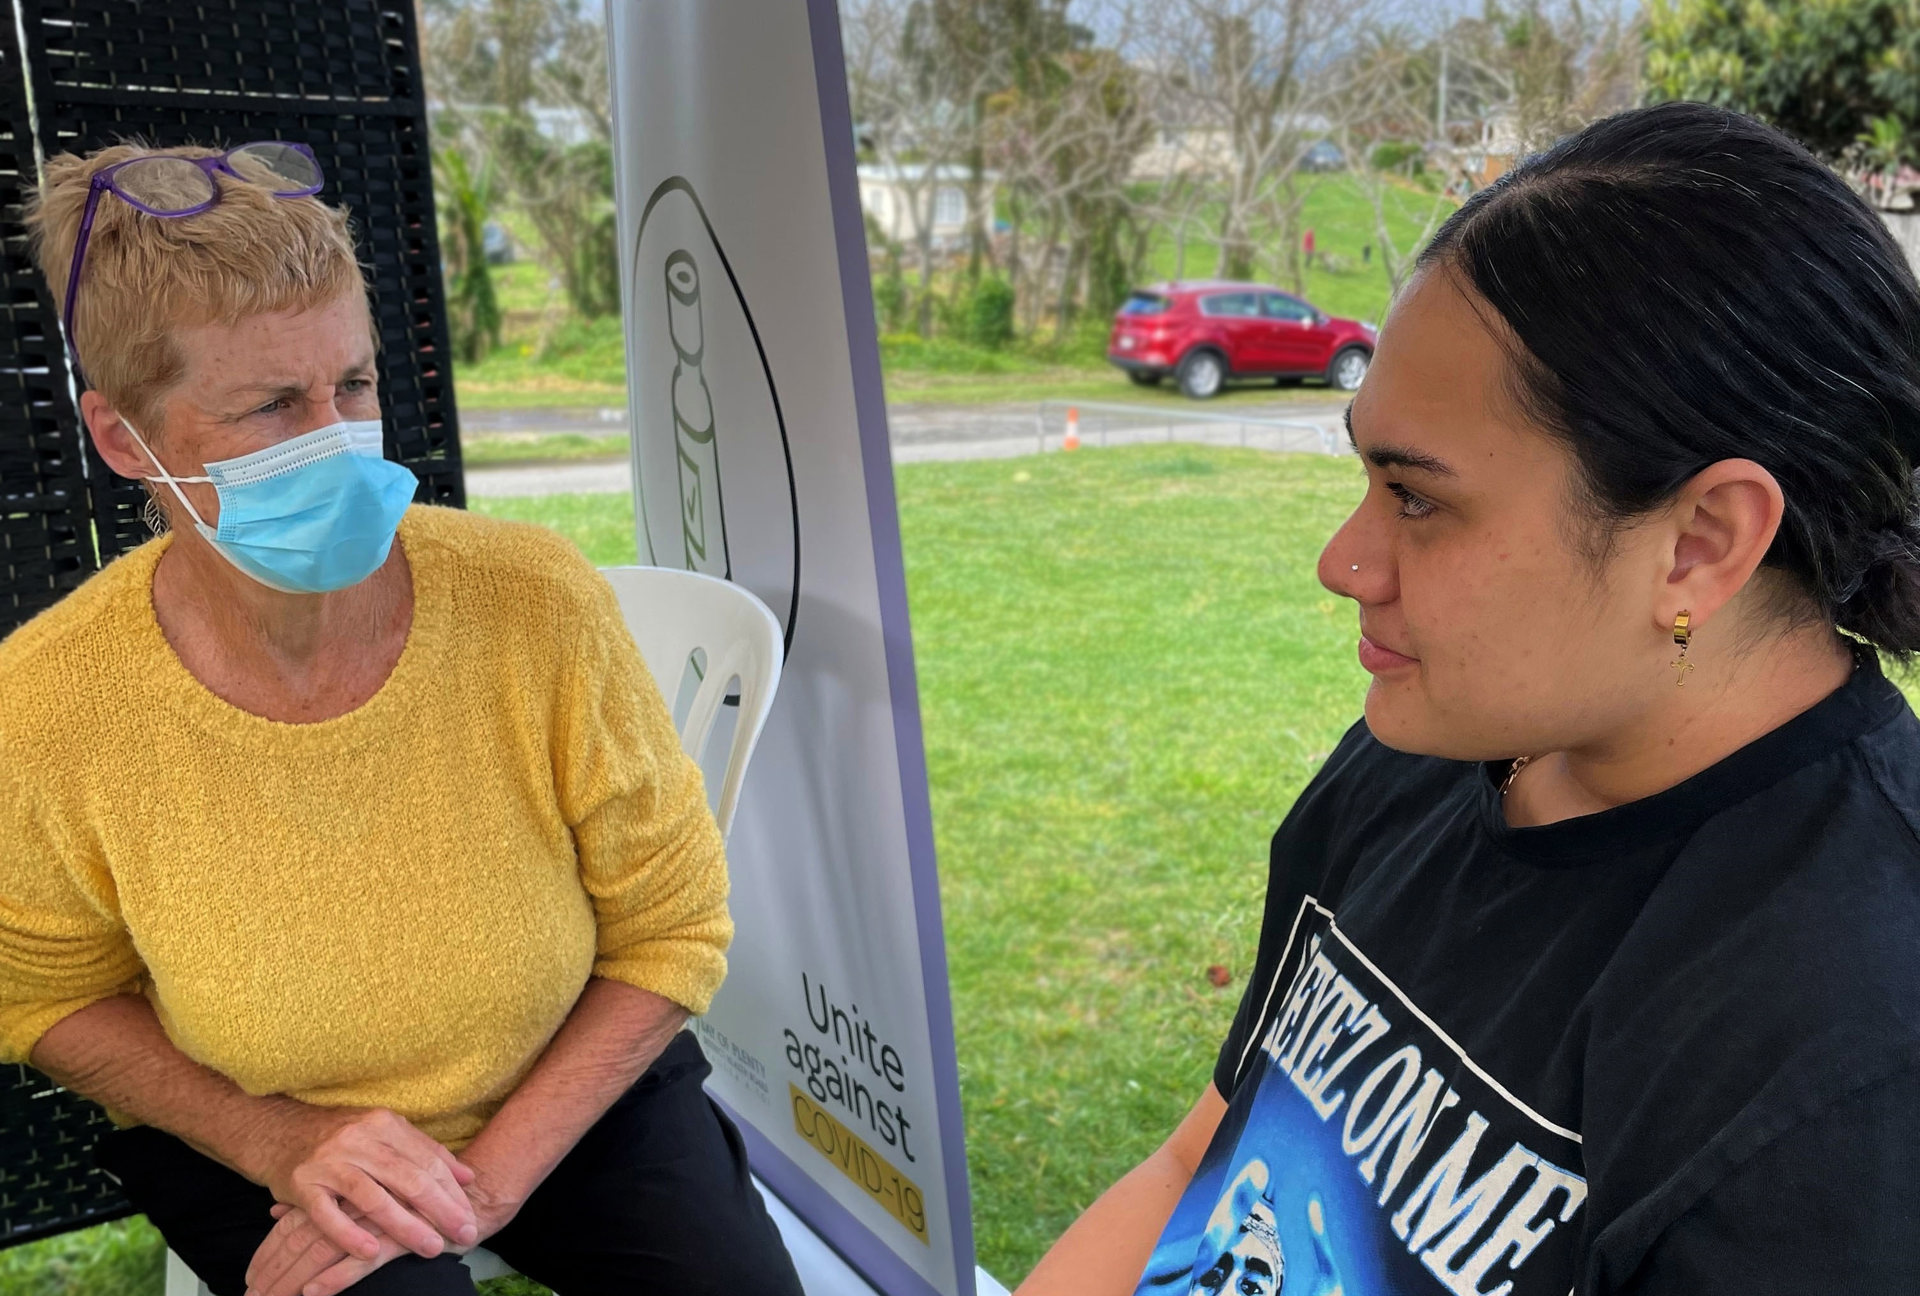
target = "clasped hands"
x: 358, y: 1187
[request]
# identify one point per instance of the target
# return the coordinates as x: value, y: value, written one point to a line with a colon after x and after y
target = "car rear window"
x: 1146, y: 303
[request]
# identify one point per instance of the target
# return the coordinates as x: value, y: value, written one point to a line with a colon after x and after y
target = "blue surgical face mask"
x: 308, y: 516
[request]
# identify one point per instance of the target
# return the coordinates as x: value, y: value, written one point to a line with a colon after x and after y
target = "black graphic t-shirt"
x: 1670, y: 1048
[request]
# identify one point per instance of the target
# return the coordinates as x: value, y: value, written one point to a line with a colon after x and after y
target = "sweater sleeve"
x: 650, y: 853
x: 62, y: 945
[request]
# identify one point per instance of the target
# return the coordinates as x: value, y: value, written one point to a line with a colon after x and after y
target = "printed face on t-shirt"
x: 1251, y: 1267
x: 1239, y: 1253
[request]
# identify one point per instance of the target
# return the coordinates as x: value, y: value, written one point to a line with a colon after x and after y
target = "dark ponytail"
x: 1883, y: 606
x: 1688, y: 285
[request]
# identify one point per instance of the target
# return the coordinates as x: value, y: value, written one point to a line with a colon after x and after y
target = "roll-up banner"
x: 760, y: 454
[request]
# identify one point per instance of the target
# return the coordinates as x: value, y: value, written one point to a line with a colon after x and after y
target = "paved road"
x: 602, y: 421
x: 934, y: 432
x: 582, y: 477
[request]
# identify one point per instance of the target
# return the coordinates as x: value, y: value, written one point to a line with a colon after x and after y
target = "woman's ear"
x: 1722, y: 523
x: 111, y: 438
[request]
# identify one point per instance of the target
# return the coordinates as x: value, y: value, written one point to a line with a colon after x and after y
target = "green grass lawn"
x: 528, y: 447
x: 916, y: 372
x: 1099, y: 382
x: 1127, y: 672
x: 128, y: 1258
x: 580, y: 363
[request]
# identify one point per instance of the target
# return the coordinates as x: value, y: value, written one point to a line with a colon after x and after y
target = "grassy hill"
x: 547, y: 357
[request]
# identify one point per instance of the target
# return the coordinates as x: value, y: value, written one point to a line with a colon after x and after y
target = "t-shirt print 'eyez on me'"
x: 1363, y: 1153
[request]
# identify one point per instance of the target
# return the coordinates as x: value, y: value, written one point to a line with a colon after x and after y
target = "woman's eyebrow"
x: 1396, y: 456
x: 288, y: 388
x: 271, y: 387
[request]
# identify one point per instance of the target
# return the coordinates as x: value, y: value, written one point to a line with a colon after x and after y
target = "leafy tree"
x: 491, y: 64
x: 1841, y: 76
x: 473, y: 313
x: 968, y: 51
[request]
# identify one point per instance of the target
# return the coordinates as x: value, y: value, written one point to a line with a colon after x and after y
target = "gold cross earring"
x: 1682, y: 635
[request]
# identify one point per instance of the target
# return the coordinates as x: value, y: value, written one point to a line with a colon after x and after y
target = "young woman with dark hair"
x: 1591, y: 958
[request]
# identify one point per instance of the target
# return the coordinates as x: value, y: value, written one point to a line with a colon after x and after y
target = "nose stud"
x: 1356, y: 566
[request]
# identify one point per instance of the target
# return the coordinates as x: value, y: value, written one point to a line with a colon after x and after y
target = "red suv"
x: 1206, y: 333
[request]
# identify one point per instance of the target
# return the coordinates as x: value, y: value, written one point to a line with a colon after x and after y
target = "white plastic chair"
x: 670, y: 614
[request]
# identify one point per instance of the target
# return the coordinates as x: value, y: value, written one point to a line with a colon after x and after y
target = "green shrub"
x: 890, y: 299
x: 889, y: 288
x: 910, y: 351
x: 125, y: 1258
x: 1399, y: 155
x: 990, y: 314
x: 1084, y: 344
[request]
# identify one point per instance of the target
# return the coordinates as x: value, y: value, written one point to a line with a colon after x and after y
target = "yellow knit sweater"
x: 394, y: 908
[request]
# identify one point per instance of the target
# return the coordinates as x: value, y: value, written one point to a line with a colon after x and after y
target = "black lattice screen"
x: 45, y: 546
x: 342, y: 76
x: 48, y: 1183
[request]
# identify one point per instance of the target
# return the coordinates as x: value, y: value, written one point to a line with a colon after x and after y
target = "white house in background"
x: 1189, y: 140
x: 565, y: 125
x: 1481, y: 163
x: 903, y: 199
x: 1177, y: 150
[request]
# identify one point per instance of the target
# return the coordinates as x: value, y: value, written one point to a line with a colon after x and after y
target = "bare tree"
x: 950, y: 92
x: 1250, y: 82
x: 1505, y: 83
x: 1063, y: 143
x: 1542, y: 69
x: 969, y: 51
x: 914, y: 125
x: 1393, y: 86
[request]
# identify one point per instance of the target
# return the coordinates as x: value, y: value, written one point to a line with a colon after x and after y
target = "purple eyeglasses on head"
x: 169, y: 186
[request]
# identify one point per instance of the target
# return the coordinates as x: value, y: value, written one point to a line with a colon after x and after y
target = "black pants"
x: 654, y: 1197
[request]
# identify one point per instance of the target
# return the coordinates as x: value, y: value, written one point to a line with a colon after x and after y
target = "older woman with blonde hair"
x: 347, y: 852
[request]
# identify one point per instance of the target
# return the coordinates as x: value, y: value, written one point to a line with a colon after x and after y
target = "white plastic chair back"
x: 671, y: 613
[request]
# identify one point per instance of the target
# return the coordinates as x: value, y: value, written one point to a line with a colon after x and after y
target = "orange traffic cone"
x: 1071, y: 441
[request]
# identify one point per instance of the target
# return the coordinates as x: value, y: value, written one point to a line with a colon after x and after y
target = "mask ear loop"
x: 173, y: 483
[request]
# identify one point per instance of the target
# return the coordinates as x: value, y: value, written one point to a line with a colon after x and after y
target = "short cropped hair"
x: 144, y: 276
